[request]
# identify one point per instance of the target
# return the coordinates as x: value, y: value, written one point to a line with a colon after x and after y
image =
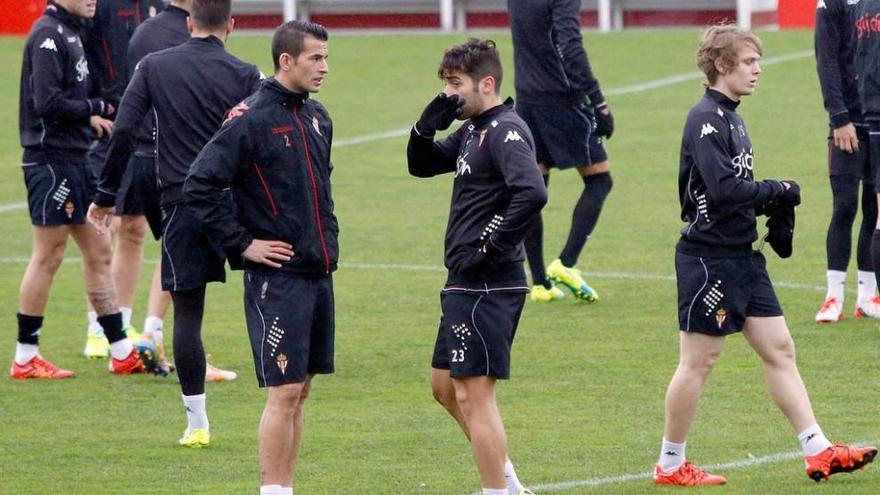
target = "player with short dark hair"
x: 848, y: 162
x: 723, y: 284
x: 57, y: 120
x: 273, y: 152
x: 497, y: 192
x: 559, y: 98
x: 189, y: 88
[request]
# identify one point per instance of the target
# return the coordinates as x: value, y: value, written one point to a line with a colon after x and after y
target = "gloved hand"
x: 604, y: 120
x: 439, y: 114
x: 475, y: 259
x: 791, y: 195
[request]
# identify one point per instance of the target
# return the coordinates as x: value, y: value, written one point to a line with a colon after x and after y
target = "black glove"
x: 604, y: 120
x: 439, y: 114
x: 474, y: 259
x: 791, y: 193
x: 780, y: 229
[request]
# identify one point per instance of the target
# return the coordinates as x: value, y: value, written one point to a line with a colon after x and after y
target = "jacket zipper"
x: 266, y: 188
x: 302, y: 131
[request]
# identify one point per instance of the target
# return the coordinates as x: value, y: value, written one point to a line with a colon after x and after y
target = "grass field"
x: 585, y: 402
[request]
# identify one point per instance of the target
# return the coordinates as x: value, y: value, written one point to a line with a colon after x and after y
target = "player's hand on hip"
x: 101, y: 126
x: 101, y: 217
x: 846, y: 138
x: 604, y: 120
x: 268, y: 253
x: 439, y: 114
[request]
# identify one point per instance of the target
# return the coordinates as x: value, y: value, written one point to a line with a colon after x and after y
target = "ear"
x: 285, y: 61
x: 719, y: 66
x: 189, y: 24
x: 487, y: 85
x: 230, y: 26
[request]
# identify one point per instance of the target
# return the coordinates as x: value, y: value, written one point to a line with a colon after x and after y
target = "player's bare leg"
x: 476, y: 400
x: 278, y: 436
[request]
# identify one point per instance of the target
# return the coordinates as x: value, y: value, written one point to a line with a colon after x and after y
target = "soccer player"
x: 497, y: 192
x: 273, y: 151
x: 848, y: 161
x: 106, y: 47
x: 559, y: 98
x: 57, y: 121
x: 723, y: 285
x: 189, y: 89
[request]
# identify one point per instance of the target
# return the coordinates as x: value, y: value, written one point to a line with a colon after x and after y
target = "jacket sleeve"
x: 49, y: 57
x: 726, y: 186
x: 136, y: 102
x: 514, y: 155
x: 828, y: 43
x: 216, y: 167
x: 570, y: 48
x: 427, y: 158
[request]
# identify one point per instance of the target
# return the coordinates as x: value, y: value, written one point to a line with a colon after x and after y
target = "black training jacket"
x: 550, y: 61
x: 190, y: 88
x: 165, y: 30
x: 107, y: 42
x: 835, y: 60
x: 273, y: 151
x: 867, y: 58
x: 497, y: 190
x: 54, y: 105
x: 718, y: 193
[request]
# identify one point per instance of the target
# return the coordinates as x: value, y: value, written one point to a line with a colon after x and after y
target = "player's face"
x: 80, y: 8
x: 308, y: 70
x: 742, y: 79
x: 457, y: 83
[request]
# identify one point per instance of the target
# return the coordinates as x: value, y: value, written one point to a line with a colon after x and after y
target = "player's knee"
x: 844, y: 211
x: 702, y: 365
x: 287, y: 395
x: 443, y: 395
x: 49, y: 258
x: 133, y: 230
x: 781, y: 353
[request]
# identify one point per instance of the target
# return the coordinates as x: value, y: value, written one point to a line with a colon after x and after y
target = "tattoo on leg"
x: 104, y: 301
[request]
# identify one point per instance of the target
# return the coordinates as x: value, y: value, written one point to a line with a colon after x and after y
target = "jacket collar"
x: 71, y: 21
x: 285, y: 96
x: 487, y: 116
x: 208, y: 40
x: 173, y: 9
x: 722, y: 99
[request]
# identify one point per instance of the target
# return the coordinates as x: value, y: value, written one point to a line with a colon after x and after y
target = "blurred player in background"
x: 848, y: 161
x: 559, y: 98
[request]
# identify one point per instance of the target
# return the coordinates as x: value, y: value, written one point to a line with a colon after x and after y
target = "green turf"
x: 586, y: 396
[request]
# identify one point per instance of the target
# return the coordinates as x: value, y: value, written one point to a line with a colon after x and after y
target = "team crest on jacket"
x: 316, y: 126
x: 236, y: 111
x: 720, y: 317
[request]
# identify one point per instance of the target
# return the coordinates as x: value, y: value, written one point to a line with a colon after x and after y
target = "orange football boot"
x: 838, y: 459
x: 128, y: 366
x: 687, y: 475
x: 38, y: 367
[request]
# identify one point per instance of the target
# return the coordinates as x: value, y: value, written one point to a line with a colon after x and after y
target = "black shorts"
x: 139, y: 193
x: 564, y: 135
x: 715, y: 295
x: 189, y: 259
x: 290, y: 320
x: 476, y: 332
x: 58, y: 193
x: 96, y: 156
x: 855, y: 164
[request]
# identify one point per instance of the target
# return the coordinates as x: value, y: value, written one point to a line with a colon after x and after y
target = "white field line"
x: 437, y: 268
x: 646, y: 475
x: 625, y: 90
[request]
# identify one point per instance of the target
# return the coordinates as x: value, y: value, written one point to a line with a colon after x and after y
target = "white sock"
x: 513, y: 484
x: 25, y: 352
x: 94, y: 326
x: 126, y: 317
x: 275, y: 490
x: 196, y: 416
x: 121, y: 349
x: 867, y: 286
x: 493, y: 491
x: 813, y: 440
x: 836, y: 283
x: 153, y: 326
x: 671, y: 456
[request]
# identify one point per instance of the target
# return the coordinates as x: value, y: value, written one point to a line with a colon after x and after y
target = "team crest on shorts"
x: 282, y: 362
x: 68, y: 208
x: 720, y: 317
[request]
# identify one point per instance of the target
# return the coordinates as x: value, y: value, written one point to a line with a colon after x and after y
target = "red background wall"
x: 16, y: 16
x: 797, y: 14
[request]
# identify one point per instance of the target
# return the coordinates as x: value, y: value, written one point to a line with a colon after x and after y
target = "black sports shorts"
x: 189, y: 259
x: 564, y: 135
x: 58, y: 193
x: 291, y: 323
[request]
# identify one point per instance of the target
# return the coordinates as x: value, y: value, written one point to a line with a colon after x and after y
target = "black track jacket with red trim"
x: 273, y: 151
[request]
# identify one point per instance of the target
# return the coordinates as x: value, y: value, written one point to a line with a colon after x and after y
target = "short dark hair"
x: 211, y: 14
x: 477, y: 59
x: 290, y: 38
